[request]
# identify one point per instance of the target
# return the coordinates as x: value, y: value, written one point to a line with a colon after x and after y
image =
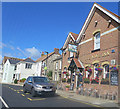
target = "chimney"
x: 56, y: 50
x: 42, y: 53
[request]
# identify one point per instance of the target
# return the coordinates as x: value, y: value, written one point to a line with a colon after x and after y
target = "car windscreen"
x: 41, y: 80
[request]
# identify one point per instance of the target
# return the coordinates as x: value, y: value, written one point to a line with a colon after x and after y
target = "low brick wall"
x: 104, y: 90
x: 101, y: 86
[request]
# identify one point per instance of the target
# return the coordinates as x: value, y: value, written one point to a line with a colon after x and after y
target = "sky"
x: 28, y: 28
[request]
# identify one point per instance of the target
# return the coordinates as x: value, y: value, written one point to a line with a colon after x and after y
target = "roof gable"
x: 90, y: 15
x: 70, y: 35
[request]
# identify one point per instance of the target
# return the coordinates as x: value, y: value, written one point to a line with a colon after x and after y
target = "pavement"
x: 88, y: 100
x: 96, y: 102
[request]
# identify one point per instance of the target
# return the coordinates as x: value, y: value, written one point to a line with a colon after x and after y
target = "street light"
x: 46, y: 62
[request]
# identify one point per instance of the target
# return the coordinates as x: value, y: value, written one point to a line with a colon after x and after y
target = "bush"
x: 49, y: 74
x: 15, y: 81
x: 23, y: 80
x: 94, y: 82
x: 67, y: 74
x: 105, y: 81
x: 86, y: 80
x: 63, y: 80
x: 67, y: 86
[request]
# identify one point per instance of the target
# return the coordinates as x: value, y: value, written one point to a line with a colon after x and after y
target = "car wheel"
x: 24, y: 89
x: 33, y: 92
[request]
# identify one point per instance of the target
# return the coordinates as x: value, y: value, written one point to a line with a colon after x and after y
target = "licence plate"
x: 48, y: 89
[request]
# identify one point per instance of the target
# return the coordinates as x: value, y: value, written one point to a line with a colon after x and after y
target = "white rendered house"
x: 8, y: 70
x: 18, y: 69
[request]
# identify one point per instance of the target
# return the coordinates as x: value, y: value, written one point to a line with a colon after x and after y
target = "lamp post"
x: 46, y: 63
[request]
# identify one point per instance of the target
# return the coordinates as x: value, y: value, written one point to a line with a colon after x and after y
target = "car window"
x: 29, y: 79
x: 41, y: 80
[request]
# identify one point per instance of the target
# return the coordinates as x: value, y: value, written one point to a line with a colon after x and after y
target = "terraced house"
x: 96, y: 60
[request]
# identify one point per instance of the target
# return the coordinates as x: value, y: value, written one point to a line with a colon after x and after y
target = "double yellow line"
x: 82, y: 102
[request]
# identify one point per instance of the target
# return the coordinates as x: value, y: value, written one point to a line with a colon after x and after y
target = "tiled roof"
x: 44, y: 57
x: 77, y: 63
x: 29, y: 60
x: 5, y: 59
x: 12, y: 61
x: 74, y: 35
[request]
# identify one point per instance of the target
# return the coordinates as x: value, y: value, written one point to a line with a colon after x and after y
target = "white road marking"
x: 4, y: 102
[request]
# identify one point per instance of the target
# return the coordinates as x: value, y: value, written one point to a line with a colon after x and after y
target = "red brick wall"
x: 107, y: 41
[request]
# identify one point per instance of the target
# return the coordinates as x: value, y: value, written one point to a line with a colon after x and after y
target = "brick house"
x: 69, y: 53
x: 98, y: 44
x: 97, y: 51
x: 47, y: 61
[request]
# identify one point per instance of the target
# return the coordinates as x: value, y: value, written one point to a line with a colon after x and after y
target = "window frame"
x: 96, y: 41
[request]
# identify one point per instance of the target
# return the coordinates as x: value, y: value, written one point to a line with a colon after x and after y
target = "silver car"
x: 37, y: 85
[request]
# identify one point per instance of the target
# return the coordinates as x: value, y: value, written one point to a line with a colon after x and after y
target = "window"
x: 97, y: 41
x: 71, y: 54
x: 15, y: 67
x: 95, y: 72
x: 44, y: 65
x: 28, y: 66
x: 60, y: 64
x: 87, y: 73
x: 5, y: 76
x: 106, y: 71
x: 56, y: 67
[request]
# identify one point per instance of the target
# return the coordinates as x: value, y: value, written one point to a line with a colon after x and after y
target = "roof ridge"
x: 107, y: 10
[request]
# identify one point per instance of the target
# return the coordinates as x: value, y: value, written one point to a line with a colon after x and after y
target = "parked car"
x: 37, y: 85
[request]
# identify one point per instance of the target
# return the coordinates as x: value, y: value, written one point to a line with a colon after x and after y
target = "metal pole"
x: 46, y: 64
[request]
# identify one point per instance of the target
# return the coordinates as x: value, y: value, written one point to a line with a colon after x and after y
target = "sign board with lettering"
x: 72, y: 48
x: 114, y: 77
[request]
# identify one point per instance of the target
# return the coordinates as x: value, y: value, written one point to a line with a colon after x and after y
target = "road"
x: 13, y: 96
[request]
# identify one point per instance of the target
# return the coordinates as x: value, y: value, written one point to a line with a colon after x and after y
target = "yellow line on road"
x: 21, y: 90
x: 38, y: 99
x: 27, y: 93
x: 14, y: 90
x: 82, y: 102
x: 29, y: 99
x: 18, y: 92
x: 23, y: 95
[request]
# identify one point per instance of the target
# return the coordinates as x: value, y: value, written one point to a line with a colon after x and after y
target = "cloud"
x: 18, y: 48
x: 2, y: 45
x: 30, y: 52
x: 33, y: 52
